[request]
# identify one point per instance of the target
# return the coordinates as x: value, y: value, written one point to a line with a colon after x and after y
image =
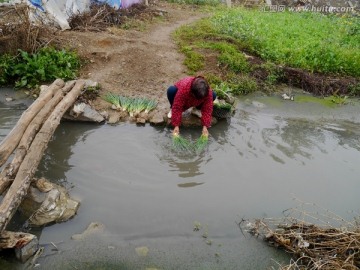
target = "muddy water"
x: 149, y: 197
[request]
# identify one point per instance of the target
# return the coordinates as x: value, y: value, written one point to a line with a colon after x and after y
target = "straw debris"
x: 313, y: 246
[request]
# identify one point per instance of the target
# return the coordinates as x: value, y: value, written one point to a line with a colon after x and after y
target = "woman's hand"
x: 205, y: 131
x: 176, y: 131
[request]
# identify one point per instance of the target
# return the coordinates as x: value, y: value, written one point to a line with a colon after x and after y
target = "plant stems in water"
x: 201, y: 143
x: 181, y: 144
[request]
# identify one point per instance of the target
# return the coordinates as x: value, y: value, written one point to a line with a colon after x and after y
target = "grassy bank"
x: 221, y: 45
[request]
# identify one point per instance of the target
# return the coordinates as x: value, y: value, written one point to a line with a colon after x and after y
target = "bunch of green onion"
x: 151, y: 104
x: 201, y: 143
x: 133, y: 106
x: 125, y: 102
x: 113, y: 99
x: 181, y: 144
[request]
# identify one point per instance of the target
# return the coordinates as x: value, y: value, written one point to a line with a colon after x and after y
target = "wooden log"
x: 10, y: 170
x: 11, y: 141
x: 28, y: 167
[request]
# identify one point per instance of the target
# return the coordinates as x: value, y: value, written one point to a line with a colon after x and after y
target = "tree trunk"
x: 11, y: 141
x: 11, y: 169
x: 28, y: 167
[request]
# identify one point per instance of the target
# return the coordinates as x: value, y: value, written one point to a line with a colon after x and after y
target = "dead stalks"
x: 327, y: 242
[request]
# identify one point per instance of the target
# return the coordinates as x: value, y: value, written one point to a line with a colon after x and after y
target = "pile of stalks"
x: 312, y: 246
x: 18, y: 32
x: 102, y: 16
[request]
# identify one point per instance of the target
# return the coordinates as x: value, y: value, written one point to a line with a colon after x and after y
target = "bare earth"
x: 135, y: 63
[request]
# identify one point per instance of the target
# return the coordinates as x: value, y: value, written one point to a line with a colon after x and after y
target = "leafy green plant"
x: 223, y: 90
x: 6, y: 64
x: 47, y: 64
x: 338, y: 99
x: 223, y: 106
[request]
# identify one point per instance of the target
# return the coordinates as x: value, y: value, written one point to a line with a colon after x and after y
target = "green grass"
x: 307, y: 40
x: 314, y: 42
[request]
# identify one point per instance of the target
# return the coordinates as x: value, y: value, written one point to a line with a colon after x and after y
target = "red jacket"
x: 184, y: 99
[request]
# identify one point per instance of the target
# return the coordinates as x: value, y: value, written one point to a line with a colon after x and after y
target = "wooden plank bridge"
x: 27, y: 143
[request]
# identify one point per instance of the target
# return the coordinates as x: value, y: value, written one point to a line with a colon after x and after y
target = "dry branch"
x: 313, y: 246
x: 11, y: 169
x: 11, y: 141
x: 28, y: 167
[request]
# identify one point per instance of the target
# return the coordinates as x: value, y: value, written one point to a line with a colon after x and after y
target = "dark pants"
x: 171, y: 93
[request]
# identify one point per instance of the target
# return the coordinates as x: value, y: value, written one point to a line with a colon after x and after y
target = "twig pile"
x: 18, y: 32
x: 312, y: 246
x: 102, y: 16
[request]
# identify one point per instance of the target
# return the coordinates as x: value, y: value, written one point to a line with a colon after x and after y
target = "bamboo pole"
x: 11, y: 169
x: 11, y: 141
x: 28, y: 167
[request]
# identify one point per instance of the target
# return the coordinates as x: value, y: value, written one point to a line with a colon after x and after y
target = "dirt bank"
x: 135, y: 62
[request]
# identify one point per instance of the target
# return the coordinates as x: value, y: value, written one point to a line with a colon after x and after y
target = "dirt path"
x: 135, y: 63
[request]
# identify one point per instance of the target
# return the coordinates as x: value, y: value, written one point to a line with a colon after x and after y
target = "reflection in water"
x: 57, y: 158
x: 189, y: 184
x: 347, y: 133
x: 186, y: 168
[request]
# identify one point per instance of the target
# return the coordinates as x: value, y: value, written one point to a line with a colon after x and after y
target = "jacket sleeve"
x: 177, y: 108
x: 206, y: 110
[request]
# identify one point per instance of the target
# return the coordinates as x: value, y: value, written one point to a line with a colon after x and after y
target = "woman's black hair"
x: 200, y: 87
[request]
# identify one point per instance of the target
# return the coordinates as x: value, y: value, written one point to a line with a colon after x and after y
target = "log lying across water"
x: 30, y: 138
x: 11, y: 141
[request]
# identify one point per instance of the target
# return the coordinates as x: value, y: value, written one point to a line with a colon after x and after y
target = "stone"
x: 140, y: 120
x: 91, y: 84
x: 9, y: 99
x: 85, y: 113
x: 25, y: 252
x: 51, y: 206
x: 92, y: 228
x: 24, y: 244
x: 114, y: 118
x: 157, y: 119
